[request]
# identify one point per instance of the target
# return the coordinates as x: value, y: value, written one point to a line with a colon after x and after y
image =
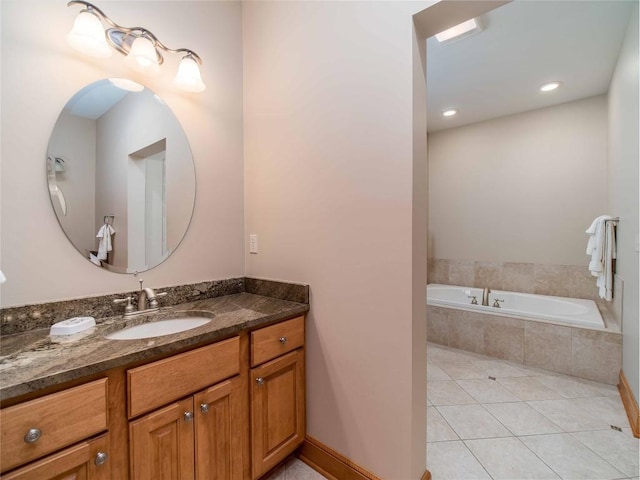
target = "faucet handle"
x: 153, y: 302
x: 474, y: 299
x: 496, y: 302
x: 128, y: 307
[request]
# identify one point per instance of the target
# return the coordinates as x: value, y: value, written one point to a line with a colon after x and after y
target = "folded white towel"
x: 95, y: 260
x: 602, y: 248
x: 105, y: 246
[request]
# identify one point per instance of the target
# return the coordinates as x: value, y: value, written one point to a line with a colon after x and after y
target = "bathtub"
x: 543, y: 308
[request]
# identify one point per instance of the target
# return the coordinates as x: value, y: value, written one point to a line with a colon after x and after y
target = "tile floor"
x: 493, y: 419
x: 295, y: 469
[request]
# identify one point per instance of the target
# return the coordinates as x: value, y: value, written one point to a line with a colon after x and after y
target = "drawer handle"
x: 283, y: 340
x: 188, y: 416
x: 204, y: 407
x: 33, y: 435
x: 260, y: 381
x: 101, y: 458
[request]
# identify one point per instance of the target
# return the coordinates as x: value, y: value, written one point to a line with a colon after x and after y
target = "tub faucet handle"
x: 496, y: 302
x: 474, y: 299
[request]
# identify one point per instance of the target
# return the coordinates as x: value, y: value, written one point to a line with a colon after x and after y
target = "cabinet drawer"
x: 271, y: 342
x: 86, y: 460
x: 159, y: 383
x: 61, y: 418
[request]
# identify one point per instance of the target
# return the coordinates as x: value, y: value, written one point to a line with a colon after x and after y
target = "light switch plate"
x: 253, y: 243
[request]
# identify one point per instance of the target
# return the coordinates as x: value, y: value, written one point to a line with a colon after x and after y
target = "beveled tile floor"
x: 493, y: 419
x: 295, y: 469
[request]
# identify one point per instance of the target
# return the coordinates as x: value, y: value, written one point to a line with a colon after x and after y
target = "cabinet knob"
x: 260, y: 381
x: 101, y: 458
x: 188, y: 416
x: 33, y: 435
x: 204, y: 407
x: 283, y: 340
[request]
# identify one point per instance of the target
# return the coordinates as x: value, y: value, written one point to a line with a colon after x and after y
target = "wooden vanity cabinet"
x: 277, y: 393
x: 36, y: 428
x: 231, y: 410
x: 85, y: 461
x: 198, y: 437
x: 220, y: 424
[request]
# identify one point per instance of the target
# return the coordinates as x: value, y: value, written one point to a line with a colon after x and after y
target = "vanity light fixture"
x: 141, y: 47
x: 449, y: 113
x: 548, y: 87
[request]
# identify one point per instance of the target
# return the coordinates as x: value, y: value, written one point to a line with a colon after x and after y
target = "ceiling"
x: 523, y: 45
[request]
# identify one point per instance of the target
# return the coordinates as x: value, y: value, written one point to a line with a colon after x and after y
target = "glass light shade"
x: 188, y: 77
x: 126, y: 84
x: 143, y: 56
x: 87, y: 36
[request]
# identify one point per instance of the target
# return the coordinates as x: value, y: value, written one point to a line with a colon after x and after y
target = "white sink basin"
x: 158, y: 328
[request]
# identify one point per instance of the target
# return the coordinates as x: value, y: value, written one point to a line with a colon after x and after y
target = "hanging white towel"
x: 105, y: 246
x: 602, y: 248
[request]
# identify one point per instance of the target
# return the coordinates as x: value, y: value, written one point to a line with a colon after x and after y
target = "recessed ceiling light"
x: 449, y: 113
x: 547, y: 87
x: 463, y: 29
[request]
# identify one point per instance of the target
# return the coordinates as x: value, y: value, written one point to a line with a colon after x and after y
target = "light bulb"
x: 87, y: 35
x: 143, y: 56
x: 188, y: 77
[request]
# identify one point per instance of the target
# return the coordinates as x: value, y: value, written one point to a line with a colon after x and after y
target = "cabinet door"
x: 85, y: 461
x: 277, y: 410
x: 218, y: 435
x: 162, y: 443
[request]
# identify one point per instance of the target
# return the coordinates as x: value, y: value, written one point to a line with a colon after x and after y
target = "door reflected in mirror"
x: 121, y: 176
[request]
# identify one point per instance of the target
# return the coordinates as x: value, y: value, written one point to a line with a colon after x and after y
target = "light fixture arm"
x: 121, y: 38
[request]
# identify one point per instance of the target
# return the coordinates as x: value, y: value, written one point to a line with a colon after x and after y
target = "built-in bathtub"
x: 543, y: 308
x: 559, y: 334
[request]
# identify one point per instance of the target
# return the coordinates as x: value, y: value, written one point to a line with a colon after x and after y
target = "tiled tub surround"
x: 573, y: 281
x: 579, y: 312
x: 590, y: 354
x: 581, y: 352
x: 32, y: 360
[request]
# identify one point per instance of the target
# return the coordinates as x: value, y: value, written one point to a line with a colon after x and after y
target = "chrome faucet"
x: 485, y: 296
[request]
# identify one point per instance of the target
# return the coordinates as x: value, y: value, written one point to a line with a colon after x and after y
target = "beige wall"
x: 40, y: 72
x: 623, y: 191
x: 522, y: 188
x: 329, y: 182
x: 75, y: 143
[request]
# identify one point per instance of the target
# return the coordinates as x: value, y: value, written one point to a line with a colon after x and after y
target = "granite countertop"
x: 34, y: 360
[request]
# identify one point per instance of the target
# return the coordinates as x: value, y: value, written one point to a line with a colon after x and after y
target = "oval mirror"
x: 121, y: 176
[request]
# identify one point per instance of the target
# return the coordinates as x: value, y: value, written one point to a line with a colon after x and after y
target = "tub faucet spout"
x: 485, y: 296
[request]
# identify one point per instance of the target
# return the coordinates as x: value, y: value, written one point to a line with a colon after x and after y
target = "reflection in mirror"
x: 124, y: 164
